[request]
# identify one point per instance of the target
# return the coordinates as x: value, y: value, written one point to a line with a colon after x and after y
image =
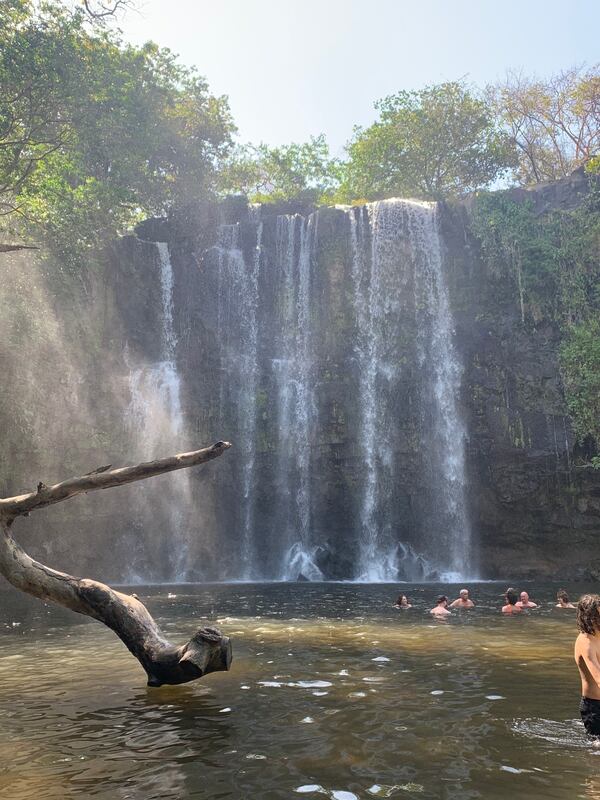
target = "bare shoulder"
x: 585, y: 645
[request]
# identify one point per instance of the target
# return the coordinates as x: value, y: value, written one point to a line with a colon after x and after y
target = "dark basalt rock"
x: 534, y: 510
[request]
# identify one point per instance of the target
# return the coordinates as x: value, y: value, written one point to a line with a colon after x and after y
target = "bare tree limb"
x: 12, y: 507
x: 207, y: 650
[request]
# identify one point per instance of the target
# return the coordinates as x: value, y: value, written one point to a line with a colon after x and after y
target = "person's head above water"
x: 588, y: 614
x: 464, y: 594
x: 524, y: 597
x: 402, y: 600
x: 511, y: 596
x: 442, y: 600
x: 562, y: 596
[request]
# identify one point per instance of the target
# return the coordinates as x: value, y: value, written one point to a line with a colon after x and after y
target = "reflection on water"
x: 332, y: 692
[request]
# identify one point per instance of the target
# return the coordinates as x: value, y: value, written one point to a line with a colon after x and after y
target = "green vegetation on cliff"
x: 555, y: 260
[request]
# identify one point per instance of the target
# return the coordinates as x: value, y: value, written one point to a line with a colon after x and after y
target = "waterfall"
x: 374, y: 300
x: 312, y: 349
x: 397, y: 275
x: 238, y: 337
x: 156, y: 420
x: 446, y: 439
x: 293, y: 377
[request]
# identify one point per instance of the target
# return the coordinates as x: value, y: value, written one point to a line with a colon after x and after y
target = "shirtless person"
x: 587, y: 658
x: 525, y: 602
x: 463, y: 601
x: 563, y: 600
x: 512, y: 606
x: 440, y: 609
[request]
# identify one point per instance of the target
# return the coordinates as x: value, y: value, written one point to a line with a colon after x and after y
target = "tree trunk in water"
x: 207, y: 650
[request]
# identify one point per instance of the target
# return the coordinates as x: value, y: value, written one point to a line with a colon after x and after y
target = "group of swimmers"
x: 515, y: 602
x: 587, y: 644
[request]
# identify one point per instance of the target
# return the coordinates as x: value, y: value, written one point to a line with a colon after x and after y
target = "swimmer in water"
x: 563, y: 600
x: 525, y: 602
x: 402, y: 602
x: 463, y: 600
x: 440, y: 609
x: 587, y: 658
x: 512, y: 606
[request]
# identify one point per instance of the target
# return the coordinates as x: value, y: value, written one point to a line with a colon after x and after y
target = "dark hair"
x: 562, y: 595
x: 512, y: 596
x: 588, y: 613
x: 399, y: 600
x: 441, y: 599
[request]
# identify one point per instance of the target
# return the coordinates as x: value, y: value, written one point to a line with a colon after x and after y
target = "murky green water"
x: 332, y: 693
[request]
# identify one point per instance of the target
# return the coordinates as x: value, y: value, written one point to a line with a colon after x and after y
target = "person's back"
x: 512, y: 606
x: 440, y: 609
x: 587, y: 658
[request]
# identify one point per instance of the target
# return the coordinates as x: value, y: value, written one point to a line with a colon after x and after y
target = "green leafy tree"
x: 270, y: 174
x: 95, y: 133
x: 438, y: 142
x: 580, y: 360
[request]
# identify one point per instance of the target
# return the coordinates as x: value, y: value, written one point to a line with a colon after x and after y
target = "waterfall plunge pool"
x: 332, y: 693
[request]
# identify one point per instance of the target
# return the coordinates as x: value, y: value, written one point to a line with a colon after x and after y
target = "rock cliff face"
x: 262, y: 326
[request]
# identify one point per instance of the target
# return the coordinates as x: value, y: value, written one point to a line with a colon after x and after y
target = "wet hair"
x: 512, y: 596
x: 562, y: 595
x: 441, y: 599
x: 588, y: 613
x: 399, y: 600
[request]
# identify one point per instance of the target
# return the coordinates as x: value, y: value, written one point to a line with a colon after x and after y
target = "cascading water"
x: 348, y: 368
x: 156, y: 419
x: 375, y: 298
x: 397, y: 274
x: 296, y: 238
x: 445, y: 440
x: 238, y: 337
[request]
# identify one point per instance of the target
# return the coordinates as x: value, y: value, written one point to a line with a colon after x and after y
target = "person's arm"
x: 454, y: 603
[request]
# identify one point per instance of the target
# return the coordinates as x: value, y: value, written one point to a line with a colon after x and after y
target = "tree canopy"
x: 268, y: 174
x: 437, y: 142
x: 95, y: 133
x: 554, y: 124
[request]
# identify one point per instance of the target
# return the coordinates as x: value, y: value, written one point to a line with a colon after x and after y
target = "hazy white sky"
x: 292, y: 68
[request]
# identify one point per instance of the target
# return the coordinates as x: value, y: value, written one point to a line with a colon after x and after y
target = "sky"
x: 295, y: 68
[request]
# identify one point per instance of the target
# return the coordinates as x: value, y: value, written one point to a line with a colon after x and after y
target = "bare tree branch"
x: 207, y: 650
x: 12, y: 507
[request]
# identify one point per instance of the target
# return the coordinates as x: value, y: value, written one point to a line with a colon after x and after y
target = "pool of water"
x: 332, y: 693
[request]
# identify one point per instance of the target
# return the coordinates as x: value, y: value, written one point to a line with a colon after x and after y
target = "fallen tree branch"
x: 207, y: 650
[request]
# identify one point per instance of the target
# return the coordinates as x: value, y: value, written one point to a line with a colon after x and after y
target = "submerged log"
x: 207, y: 650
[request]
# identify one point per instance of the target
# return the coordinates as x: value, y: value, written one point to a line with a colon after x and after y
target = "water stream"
x: 398, y: 276
x: 157, y: 425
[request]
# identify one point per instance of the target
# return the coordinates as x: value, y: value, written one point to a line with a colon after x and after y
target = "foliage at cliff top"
x: 555, y: 261
x: 553, y: 124
x: 441, y: 141
x: 270, y: 174
x: 95, y: 133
